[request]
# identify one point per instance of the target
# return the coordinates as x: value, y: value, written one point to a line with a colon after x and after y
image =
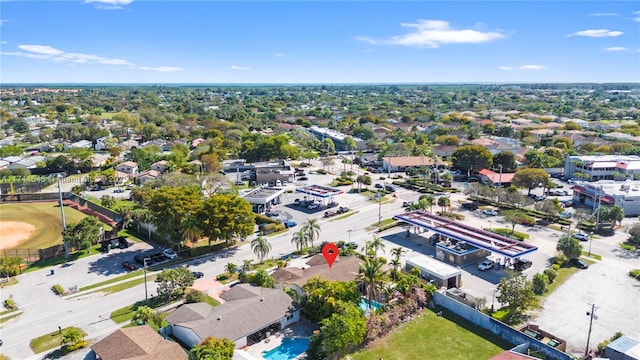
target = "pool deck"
x: 302, y: 328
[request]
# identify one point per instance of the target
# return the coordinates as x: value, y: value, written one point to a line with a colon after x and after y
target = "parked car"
x: 332, y: 204
x: 141, y: 259
x: 342, y: 210
x: 169, y: 254
x: 289, y: 223
x: 303, y: 178
x: 350, y: 245
x: 118, y: 190
x: 378, y: 186
x: 567, y: 203
x: 407, y: 203
x: 522, y: 264
x: 469, y: 206
x: 490, y: 212
x: 129, y: 266
x: 313, y: 206
x: 329, y: 213
x: 581, y: 237
x: 197, y: 274
x: 579, y: 263
x: 390, y: 188
x: 486, y: 265
x: 239, y: 183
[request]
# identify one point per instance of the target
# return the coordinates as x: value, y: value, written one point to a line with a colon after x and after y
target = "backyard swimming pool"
x: 288, y: 350
x: 364, y: 305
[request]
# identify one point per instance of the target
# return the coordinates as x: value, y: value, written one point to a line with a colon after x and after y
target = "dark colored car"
x: 140, y: 259
x: 579, y: 263
x: 197, y: 274
x: 470, y: 206
x: 378, y: 186
x: 342, y: 210
x: 522, y: 264
x: 129, y: 266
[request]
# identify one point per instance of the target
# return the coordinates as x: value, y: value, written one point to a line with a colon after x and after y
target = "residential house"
x: 248, y: 313
x: 156, y: 142
x: 82, y: 144
x: 160, y: 166
x: 128, y: 167
x: 128, y: 144
x: 147, y: 175
x: 4, y: 164
x: 137, y: 343
x: 196, y: 142
x: 344, y: 268
x: 100, y: 145
x: 443, y: 151
x: 169, y: 145
x: 28, y: 163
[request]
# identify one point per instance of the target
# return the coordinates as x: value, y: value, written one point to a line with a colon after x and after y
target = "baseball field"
x: 33, y: 225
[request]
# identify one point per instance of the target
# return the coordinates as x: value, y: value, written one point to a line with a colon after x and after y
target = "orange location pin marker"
x: 330, y: 253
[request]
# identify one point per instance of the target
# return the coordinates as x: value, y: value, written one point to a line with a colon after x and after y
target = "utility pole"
x: 598, y: 209
x: 593, y: 309
x: 64, y: 224
x: 144, y: 267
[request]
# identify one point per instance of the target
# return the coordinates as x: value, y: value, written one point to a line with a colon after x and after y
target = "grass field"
x: 45, y: 217
x: 435, y: 337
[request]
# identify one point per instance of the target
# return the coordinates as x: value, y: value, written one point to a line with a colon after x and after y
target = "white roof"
x: 433, y: 266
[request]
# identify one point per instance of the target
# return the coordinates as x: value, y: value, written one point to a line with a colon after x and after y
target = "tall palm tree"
x: 260, y: 247
x: 444, y: 203
x: 375, y: 245
x: 126, y: 215
x: 246, y: 265
x: 300, y: 239
x: 397, y: 252
x: 312, y: 229
x: 371, y: 274
x: 230, y: 268
x: 395, y: 265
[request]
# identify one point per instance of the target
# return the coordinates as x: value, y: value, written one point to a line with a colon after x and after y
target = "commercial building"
x: 337, y: 137
x: 275, y: 172
x: 435, y: 271
x: 625, y: 194
x: 602, y: 167
x: 263, y: 199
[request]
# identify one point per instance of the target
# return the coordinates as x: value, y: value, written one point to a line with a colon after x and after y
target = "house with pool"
x: 250, y: 313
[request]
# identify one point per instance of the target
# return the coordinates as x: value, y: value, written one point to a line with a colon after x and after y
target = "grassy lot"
x: 48, y: 341
x: 128, y: 284
x: 564, y: 273
x: 5, y: 319
x: 441, y: 337
x: 61, y: 259
x: 593, y: 256
x: 45, y: 217
x: 12, y: 281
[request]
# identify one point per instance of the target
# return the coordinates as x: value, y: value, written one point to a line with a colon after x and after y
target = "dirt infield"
x: 13, y: 233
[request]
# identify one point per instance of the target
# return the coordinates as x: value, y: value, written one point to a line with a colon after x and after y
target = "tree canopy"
x: 472, y: 158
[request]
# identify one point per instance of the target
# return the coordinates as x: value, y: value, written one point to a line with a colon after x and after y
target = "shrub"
x: 321, y: 171
x: 10, y: 304
x: 560, y: 259
x: 195, y: 296
x: 551, y: 275
x: 69, y: 348
x: 222, y: 277
x: 58, y: 289
x: 451, y: 215
x: 603, y: 345
x: 540, y: 282
x: 627, y: 247
x: 635, y: 273
x: 555, y: 267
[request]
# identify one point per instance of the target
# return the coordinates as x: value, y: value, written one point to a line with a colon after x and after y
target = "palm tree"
x: 126, y: 215
x: 444, y: 203
x: 300, y: 239
x: 375, y: 245
x: 191, y: 230
x: 260, y: 247
x: 371, y: 274
x: 246, y: 265
x: 360, y: 181
x: 312, y: 229
x: 395, y: 265
x: 144, y: 216
x: 230, y: 268
x: 397, y: 252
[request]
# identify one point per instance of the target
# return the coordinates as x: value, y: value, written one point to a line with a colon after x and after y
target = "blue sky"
x: 125, y: 41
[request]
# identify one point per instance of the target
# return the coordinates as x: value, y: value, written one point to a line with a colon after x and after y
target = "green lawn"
x: 45, y: 218
x: 113, y: 280
x: 435, y: 337
x: 48, y: 341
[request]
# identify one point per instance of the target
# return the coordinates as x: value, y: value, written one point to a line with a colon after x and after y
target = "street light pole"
x: 493, y: 298
x: 64, y: 223
x: 593, y: 308
x: 144, y: 269
x: 379, y: 210
x: 349, y: 231
x: 590, y: 241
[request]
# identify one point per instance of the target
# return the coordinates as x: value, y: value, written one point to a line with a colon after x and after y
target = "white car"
x: 486, y: 265
x: 490, y: 212
x: 169, y: 254
x: 581, y: 237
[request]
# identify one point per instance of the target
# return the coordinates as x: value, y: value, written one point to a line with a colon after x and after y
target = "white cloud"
x: 604, y: 14
x: 637, y: 18
x: 283, y: 55
x: 3, y: 42
x: 597, y: 33
x: 616, y: 48
x: 433, y: 33
x: 235, y: 67
x: 505, y: 68
x: 531, y: 67
x: 46, y: 52
x: 109, y: 4
x: 162, y: 68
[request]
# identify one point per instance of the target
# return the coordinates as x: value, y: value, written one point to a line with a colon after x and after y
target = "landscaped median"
x: 116, y: 284
x: 71, y: 338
